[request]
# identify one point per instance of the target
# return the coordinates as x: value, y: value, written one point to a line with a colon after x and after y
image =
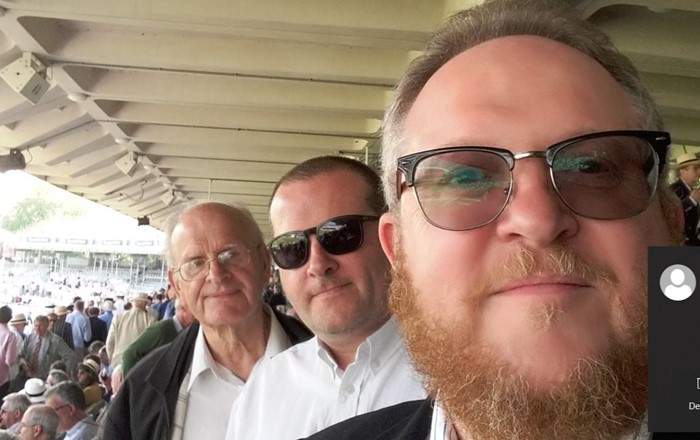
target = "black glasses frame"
x: 314, y: 230
x: 406, y: 165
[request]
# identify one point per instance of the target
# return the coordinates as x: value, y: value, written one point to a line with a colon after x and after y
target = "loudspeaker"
x: 13, y: 161
x: 26, y: 76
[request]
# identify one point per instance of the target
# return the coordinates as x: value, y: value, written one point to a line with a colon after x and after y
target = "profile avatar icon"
x: 678, y: 282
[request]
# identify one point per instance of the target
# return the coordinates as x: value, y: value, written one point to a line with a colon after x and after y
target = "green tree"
x: 29, y: 212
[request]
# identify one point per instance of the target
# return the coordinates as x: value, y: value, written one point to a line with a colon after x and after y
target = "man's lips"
x: 329, y: 289
x: 543, y: 284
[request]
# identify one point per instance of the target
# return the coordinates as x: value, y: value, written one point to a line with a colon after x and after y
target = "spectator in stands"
x: 8, y: 351
x: 68, y: 400
x: 56, y: 376
x: 95, y: 347
x: 34, y: 389
x: 59, y: 326
x: 42, y: 348
x: 82, y: 333
x: 169, y: 311
x: 17, y: 325
x: 336, y: 276
x: 88, y: 379
x: 218, y: 265
x: 160, y: 333
x: 128, y: 326
x: 40, y: 422
x: 108, y: 312
x: 13, y: 408
x: 98, y: 328
x: 7, y: 435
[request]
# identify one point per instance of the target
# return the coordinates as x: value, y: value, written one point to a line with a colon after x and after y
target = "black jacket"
x: 411, y: 421
x: 145, y: 404
x: 405, y: 421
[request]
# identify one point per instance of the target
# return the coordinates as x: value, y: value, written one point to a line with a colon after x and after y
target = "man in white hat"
x: 108, y: 312
x: 687, y: 189
x: 127, y: 327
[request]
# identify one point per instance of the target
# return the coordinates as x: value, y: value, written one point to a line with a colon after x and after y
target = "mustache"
x: 556, y: 260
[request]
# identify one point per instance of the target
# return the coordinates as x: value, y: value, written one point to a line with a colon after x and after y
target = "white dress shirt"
x: 442, y: 429
x: 213, y: 388
x: 303, y: 391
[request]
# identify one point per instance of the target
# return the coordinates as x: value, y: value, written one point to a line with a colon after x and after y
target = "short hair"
x: 316, y: 166
x: 57, y: 376
x: 93, y: 311
x: 17, y: 402
x: 69, y: 392
x: 232, y: 209
x: 59, y: 365
x: 5, y: 314
x: 95, y: 346
x: 44, y: 416
x: 79, y: 305
x: 549, y: 19
x: 42, y: 318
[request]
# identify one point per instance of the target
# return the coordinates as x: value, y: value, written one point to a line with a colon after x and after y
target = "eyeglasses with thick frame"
x: 233, y: 257
x: 656, y: 143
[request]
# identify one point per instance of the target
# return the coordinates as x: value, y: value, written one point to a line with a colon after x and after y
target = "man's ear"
x: 174, y: 282
x: 386, y: 235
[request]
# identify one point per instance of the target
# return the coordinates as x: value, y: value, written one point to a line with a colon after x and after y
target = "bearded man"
x: 523, y: 164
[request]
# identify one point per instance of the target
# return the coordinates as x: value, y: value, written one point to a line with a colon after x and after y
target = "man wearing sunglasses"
x: 324, y: 213
x: 523, y: 164
x: 218, y: 266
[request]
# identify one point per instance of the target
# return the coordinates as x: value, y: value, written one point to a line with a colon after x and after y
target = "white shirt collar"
x: 376, y: 349
x: 203, y: 361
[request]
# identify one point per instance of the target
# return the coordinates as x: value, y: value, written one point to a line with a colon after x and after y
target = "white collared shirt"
x: 302, y: 390
x: 442, y: 429
x: 213, y: 388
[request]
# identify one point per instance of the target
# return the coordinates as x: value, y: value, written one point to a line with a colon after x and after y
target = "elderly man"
x: 159, y: 334
x: 687, y: 189
x: 127, y: 327
x: 13, y: 408
x: 40, y: 422
x: 68, y: 400
x: 325, y: 212
x: 59, y: 326
x: 42, y: 348
x: 524, y: 172
x: 218, y: 265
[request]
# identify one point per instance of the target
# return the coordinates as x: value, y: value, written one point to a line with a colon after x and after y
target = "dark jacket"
x: 161, y: 333
x: 411, y: 421
x: 690, y: 212
x: 99, y: 329
x: 144, y: 406
x: 405, y: 421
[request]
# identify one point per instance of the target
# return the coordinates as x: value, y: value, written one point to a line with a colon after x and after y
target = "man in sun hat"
x: 34, y: 389
x: 687, y: 188
x: 128, y: 326
x: 107, y: 312
x: 59, y: 326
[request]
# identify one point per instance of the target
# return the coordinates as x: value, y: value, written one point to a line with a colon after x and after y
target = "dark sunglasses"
x: 337, y: 236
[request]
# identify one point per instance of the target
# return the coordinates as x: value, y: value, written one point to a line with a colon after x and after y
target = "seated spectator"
x: 59, y: 365
x: 13, y: 408
x: 7, y: 435
x: 88, y: 372
x: 95, y: 347
x: 56, y: 376
x: 34, y: 389
x: 40, y: 422
x: 68, y: 400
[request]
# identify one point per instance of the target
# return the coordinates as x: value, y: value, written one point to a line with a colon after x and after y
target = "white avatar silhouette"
x: 678, y: 291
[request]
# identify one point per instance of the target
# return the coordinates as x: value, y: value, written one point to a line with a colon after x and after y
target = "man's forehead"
x: 505, y: 78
